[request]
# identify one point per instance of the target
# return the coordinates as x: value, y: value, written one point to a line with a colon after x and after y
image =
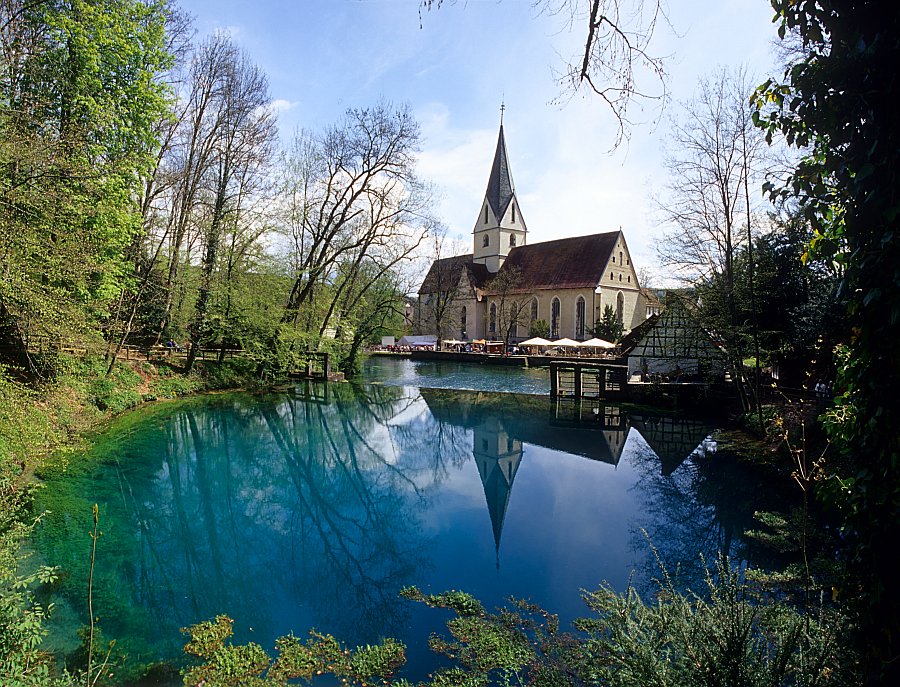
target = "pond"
x: 312, y: 508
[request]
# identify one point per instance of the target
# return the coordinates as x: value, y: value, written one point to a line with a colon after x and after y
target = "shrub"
x: 226, y: 664
x: 21, y: 618
x: 730, y: 636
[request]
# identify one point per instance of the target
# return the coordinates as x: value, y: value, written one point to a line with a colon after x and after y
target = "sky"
x: 456, y: 65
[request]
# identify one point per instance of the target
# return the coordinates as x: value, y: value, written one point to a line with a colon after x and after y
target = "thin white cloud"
x: 281, y: 105
x: 566, y: 182
x: 232, y: 30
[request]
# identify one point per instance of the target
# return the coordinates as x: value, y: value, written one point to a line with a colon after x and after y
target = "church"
x: 502, y: 286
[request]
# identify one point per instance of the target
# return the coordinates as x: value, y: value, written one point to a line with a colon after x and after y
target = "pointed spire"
x: 497, y: 468
x: 497, y: 491
x: 500, y: 190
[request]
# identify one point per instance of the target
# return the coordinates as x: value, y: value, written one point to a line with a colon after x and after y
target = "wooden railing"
x: 40, y: 345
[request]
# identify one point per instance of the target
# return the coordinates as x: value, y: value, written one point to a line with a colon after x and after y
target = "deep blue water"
x: 314, y: 507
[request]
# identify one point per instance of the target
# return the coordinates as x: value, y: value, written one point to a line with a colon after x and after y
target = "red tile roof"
x: 572, y: 263
x: 445, y: 273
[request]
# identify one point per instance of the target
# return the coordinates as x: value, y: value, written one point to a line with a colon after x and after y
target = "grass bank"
x: 47, y: 418
x: 730, y: 633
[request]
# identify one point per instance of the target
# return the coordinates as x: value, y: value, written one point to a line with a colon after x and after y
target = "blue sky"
x: 455, y: 68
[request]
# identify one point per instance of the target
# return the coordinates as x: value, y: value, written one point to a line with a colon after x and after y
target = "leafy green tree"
x: 242, y: 138
x: 77, y: 114
x: 609, y: 327
x: 793, y: 300
x: 837, y: 102
x: 372, y: 306
x: 539, y: 328
x: 22, y: 661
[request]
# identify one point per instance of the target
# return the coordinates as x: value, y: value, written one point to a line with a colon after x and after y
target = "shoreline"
x: 670, y: 396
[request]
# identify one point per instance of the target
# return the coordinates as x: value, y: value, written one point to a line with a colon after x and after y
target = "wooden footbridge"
x: 581, y: 379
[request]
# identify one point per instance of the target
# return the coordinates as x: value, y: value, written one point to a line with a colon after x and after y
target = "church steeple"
x: 500, y: 190
x: 500, y: 226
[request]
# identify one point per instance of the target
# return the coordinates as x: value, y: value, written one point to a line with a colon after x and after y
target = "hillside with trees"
x: 146, y: 201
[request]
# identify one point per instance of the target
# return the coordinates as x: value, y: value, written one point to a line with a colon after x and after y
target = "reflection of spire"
x: 497, y: 456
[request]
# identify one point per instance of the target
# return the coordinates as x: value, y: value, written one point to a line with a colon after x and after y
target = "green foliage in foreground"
x: 226, y: 664
x: 21, y: 618
x: 38, y: 421
x: 730, y: 636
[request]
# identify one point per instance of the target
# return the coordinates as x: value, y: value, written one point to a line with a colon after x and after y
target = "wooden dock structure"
x: 315, y: 365
x: 582, y: 379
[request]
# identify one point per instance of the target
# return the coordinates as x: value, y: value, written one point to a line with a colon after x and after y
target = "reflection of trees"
x: 683, y: 529
x: 447, y: 444
x: 281, y: 512
x: 349, y: 541
x: 287, y: 512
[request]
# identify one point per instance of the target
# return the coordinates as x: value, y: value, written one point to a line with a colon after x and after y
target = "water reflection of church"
x: 594, y: 431
x: 497, y: 455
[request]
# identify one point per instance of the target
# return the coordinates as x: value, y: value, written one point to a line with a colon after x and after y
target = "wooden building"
x: 674, y: 347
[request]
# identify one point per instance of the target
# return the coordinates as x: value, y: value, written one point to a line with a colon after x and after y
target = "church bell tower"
x: 500, y: 226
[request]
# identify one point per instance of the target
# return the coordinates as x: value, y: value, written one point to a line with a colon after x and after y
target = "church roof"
x: 445, y: 273
x: 572, y: 263
x: 500, y: 190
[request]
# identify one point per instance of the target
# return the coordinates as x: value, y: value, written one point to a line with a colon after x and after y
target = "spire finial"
x: 502, y: 110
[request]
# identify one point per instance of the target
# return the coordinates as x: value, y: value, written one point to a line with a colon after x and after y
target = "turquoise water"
x: 314, y: 507
x: 448, y: 375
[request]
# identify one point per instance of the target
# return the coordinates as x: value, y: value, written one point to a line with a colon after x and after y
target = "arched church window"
x: 554, y: 319
x: 462, y: 323
x: 514, y: 213
x: 620, y: 277
x: 534, y: 309
x: 492, y: 327
x: 485, y: 216
x: 512, y: 240
x: 620, y: 307
x: 486, y: 241
x: 620, y: 258
x: 579, y: 318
